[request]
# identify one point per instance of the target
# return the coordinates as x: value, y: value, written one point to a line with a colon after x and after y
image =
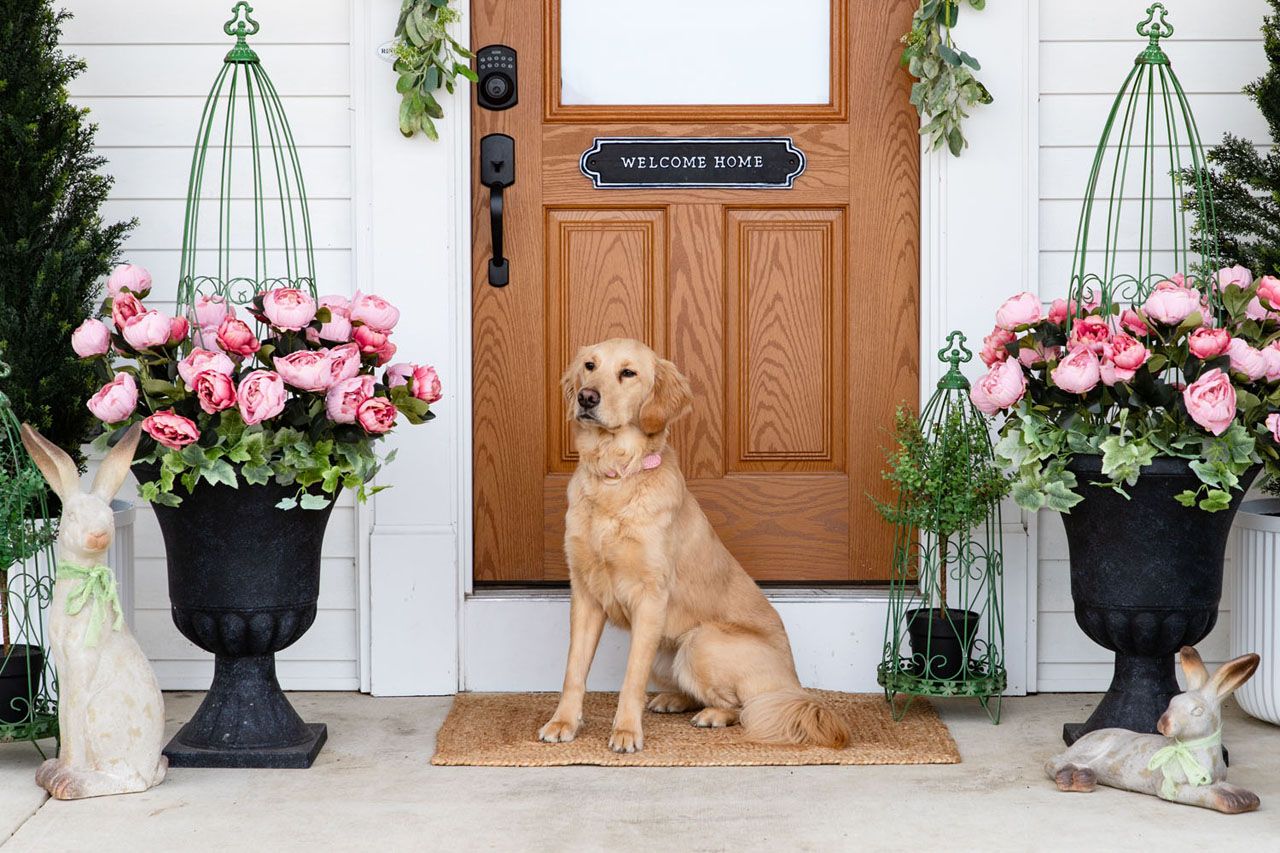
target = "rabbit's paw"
x: 1080, y: 780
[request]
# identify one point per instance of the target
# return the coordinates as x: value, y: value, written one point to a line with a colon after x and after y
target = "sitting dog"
x: 642, y: 554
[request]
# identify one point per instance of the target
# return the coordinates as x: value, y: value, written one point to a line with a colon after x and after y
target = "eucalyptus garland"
x: 427, y: 57
x: 945, y: 85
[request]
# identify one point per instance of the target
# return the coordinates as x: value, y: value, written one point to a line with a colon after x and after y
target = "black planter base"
x: 297, y: 757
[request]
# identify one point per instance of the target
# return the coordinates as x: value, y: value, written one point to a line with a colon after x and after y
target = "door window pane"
x: 621, y: 52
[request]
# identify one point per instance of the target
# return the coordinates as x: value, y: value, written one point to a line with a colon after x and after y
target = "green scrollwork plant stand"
x: 260, y: 234
x: 944, y: 635
x: 28, y: 685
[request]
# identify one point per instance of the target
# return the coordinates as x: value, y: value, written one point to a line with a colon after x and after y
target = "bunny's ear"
x: 1193, y: 666
x: 669, y: 399
x: 115, y: 467
x: 56, y: 466
x: 1233, y: 674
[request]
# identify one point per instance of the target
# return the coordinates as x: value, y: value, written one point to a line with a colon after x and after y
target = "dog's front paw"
x: 626, y: 740
x: 558, y: 731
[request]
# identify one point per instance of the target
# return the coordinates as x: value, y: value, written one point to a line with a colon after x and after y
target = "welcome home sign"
x: 635, y: 162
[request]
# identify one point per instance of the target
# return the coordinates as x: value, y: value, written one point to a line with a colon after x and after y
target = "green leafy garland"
x: 945, y: 84
x: 427, y: 57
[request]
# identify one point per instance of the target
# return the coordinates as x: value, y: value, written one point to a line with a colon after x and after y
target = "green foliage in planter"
x: 1244, y: 183
x: 54, y: 245
x: 427, y: 57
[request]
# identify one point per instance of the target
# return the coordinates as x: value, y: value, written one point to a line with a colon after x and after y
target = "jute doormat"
x: 501, y: 730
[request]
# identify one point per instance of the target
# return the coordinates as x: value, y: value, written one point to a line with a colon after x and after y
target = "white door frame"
x: 423, y: 630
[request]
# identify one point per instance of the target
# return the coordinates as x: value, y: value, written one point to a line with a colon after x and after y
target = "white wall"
x: 1086, y: 49
x: 149, y: 70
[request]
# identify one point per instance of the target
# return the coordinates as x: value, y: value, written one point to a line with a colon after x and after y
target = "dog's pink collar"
x: 653, y: 460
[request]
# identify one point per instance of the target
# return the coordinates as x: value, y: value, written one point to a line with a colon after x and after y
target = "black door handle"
x: 497, y: 172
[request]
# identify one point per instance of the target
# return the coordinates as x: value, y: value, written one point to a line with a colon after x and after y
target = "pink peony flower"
x: 1003, y: 386
x: 1271, y: 356
x: 1273, y: 424
x: 1131, y: 322
x: 261, y: 396
x: 1079, y: 372
x: 124, y: 307
x: 178, y: 329
x: 374, y: 311
x: 993, y: 346
x: 426, y: 383
x: 147, y: 330
x: 1171, y: 304
x: 116, y: 400
x: 201, y: 360
x: 1092, y: 332
x: 171, y: 429
x: 338, y: 329
x: 344, y: 362
x: 1206, y: 343
x: 236, y: 338
x: 1211, y: 401
x: 1058, y: 312
x: 377, y: 415
x: 372, y: 342
x: 1255, y: 311
x: 1124, y: 355
x: 212, y: 310
x: 1037, y: 354
x: 91, y: 338
x: 1269, y: 291
x: 215, y: 391
x: 1022, y: 309
x: 1247, y: 360
x: 1236, y: 276
x: 288, y: 308
x: 306, y: 370
x: 344, y: 399
x: 131, y: 276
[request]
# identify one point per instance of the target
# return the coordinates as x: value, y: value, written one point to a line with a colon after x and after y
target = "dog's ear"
x: 669, y: 399
x: 568, y: 385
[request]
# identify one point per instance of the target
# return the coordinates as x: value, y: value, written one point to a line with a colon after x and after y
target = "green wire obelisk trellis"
x: 944, y: 635
x: 260, y: 234
x: 28, y: 687
x: 1149, y: 137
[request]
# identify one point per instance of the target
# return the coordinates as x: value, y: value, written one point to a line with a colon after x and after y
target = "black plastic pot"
x: 1146, y: 579
x: 243, y: 581
x: 943, y: 639
x: 20, y: 674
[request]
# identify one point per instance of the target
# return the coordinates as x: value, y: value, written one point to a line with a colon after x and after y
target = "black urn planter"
x: 1146, y: 579
x: 20, y: 673
x: 243, y: 582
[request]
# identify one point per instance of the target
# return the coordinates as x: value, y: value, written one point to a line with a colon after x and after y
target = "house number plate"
x: 650, y: 162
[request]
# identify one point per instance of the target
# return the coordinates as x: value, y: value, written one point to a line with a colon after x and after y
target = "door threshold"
x: 777, y: 593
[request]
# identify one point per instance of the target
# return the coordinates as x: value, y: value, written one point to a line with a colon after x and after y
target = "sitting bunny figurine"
x: 1183, y: 763
x: 110, y: 711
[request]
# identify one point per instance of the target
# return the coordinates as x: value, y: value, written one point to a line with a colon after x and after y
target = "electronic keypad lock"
x: 496, y: 68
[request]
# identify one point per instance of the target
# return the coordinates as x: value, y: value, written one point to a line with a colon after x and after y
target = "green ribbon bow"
x: 1197, y: 774
x: 98, y: 588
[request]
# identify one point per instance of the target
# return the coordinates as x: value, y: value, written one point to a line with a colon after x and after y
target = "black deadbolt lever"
x: 497, y: 172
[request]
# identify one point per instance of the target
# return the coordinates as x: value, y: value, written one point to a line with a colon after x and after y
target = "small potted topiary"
x: 947, y: 484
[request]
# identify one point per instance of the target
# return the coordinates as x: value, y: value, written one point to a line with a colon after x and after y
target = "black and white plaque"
x: 638, y: 162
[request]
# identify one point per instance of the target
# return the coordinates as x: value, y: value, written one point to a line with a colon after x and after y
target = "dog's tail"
x: 793, y: 716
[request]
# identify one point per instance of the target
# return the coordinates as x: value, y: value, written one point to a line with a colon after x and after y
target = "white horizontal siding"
x: 1086, y: 49
x: 150, y: 68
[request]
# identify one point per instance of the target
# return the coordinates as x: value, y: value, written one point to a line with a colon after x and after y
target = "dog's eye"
x: 590, y: 365
x: 627, y: 373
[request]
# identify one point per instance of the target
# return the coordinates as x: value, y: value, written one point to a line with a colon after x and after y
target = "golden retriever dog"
x: 643, y: 555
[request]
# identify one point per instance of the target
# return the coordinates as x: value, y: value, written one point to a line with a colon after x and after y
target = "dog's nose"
x: 588, y: 398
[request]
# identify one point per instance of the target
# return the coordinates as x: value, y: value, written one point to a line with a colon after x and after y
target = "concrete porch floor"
x: 373, y: 788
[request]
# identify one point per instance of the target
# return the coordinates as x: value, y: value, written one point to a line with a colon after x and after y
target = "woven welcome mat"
x: 501, y: 730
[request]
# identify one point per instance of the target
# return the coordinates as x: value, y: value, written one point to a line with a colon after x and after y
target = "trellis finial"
x: 241, y: 26
x: 955, y: 353
x: 1155, y: 27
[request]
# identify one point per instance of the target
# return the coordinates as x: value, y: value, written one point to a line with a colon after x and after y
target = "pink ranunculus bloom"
x: 131, y: 276
x: 1273, y: 424
x: 171, y: 429
x: 377, y: 415
x: 306, y: 370
x: 1269, y: 291
x: 124, y: 307
x: 116, y: 400
x: 288, y: 308
x: 178, y: 330
x: 1236, y: 276
x: 373, y: 342
x: 1206, y: 343
x: 338, y: 329
x: 1092, y: 332
x: 1079, y: 372
x: 1271, y: 355
x: 1131, y: 322
x: 344, y: 362
x: 236, y: 338
x: 1003, y: 386
x: 147, y: 330
x: 91, y: 338
x: 1019, y: 310
x: 374, y: 312
x: 344, y: 399
x: 1170, y: 304
x: 212, y: 310
x: 993, y: 346
x: 1058, y: 312
x: 261, y: 396
x: 426, y: 383
x: 215, y: 391
x: 1211, y: 401
x: 1247, y: 360
x: 201, y: 360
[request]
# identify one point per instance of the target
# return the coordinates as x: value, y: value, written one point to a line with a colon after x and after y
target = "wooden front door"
x: 794, y: 312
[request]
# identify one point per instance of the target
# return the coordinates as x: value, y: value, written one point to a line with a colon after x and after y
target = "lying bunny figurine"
x: 110, y: 711
x: 1183, y: 763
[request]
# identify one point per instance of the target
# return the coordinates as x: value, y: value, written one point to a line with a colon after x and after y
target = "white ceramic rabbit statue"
x: 1183, y: 763
x: 110, y: 711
